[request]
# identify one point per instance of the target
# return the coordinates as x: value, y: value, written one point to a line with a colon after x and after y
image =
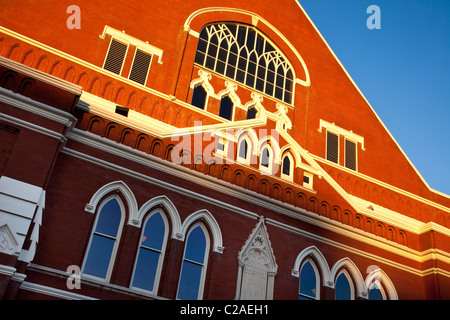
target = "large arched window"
x: 99, y: 259
x: 243, y: 54
x: 193, y: 269
x: 150, y: 257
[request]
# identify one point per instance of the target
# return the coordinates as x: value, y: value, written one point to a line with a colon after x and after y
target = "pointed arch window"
x: 245, y: 55
x: 265, y: 157
x: 150, y: 256
x: 375, y: 293
x: 99, y: 259
x: 287, y: 168
x: 226, y: 108
x: 199, y: 97
x: 309, y: 282
x: 243, y: 149
x: 193, y: 269
x: 344, y: 287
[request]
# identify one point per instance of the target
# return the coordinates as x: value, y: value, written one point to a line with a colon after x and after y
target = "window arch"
x: 193, y: 268
x: 344, y: 287
x: 226, y: 108
x: 287, y: 167
x: 244, y: 151
x: 309, y: 285
x: 265, y: 159
x: 199, y: 97
x: 150, y: 255
x: 105, y: 237
x: 379, y: 285
x: 242, y: 53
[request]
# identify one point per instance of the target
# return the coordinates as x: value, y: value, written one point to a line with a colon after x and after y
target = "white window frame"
x: 309, y: 184
x: 289, y: 177
x: 317, y: 273
x: 116, y: 242
x: 268, y: 169
x: 205, y: 263
x: 162, y: 253
x: 249, y: 146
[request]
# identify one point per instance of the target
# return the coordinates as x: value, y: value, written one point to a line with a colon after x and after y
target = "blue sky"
x: 403, y: 69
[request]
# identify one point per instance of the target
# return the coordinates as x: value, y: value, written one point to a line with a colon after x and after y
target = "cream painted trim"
x: 53, y: 292
x: 383, y: 184
x: 39, y: 75
x: 340, y: 131
x: 255, y: 17
x: 36, y: 107
x: 368, y: 103
x: 127, y: 39
x: 241, y: 193
x: 88, y: 65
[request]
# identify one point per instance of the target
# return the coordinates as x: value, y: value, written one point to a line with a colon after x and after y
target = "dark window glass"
x: 307, y: 283
x: 243, y: 149
x: 226, y: 108
x: 375, y: 293
x: 199, y: 97
x: 193, y: 264
x: 286, y: 166
x: 342, y: 288
x: 251, y: 113
x: 250, y: 52
x: 265, y: 157
x: 150, y: 252
x: 103, y: 239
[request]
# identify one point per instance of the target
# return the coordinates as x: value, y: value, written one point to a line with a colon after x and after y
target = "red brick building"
x: 184, y: 150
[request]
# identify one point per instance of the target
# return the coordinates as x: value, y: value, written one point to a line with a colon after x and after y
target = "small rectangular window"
x: 350, y: 154
x: 115, y: 57
x: 141, y: 65
x: 332, y: 147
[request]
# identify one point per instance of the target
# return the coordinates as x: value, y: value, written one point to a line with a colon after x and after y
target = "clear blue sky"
x: 403, y: 69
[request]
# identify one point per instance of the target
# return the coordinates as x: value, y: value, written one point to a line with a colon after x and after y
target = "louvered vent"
x: 115, y: 57
x: 332, y: 147
x: 141, y: 64
x: 350, y: 154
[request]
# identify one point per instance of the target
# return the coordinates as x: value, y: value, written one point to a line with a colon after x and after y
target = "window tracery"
x: 243, y: 54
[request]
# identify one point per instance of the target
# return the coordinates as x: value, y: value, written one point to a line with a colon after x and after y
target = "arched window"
x: 375, y: 293
x: 226, y: 108
x: 150, y: 255
x: 309, y: 282
x: 251, y: 113
x: 243, y: 149
x: 99, y: 259
x: 193, y: 269
x: 287, y: 168
x: 199, y: 97
x: 344, y: 288
x: 265, y: 158
x: 243, y: 54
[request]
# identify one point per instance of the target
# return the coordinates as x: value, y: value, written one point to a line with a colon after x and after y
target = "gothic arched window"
x: 104, y: 240
x: 190, y: 286
x: 309, y: 282
x: 150, y: 253
x: 243, y: 54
